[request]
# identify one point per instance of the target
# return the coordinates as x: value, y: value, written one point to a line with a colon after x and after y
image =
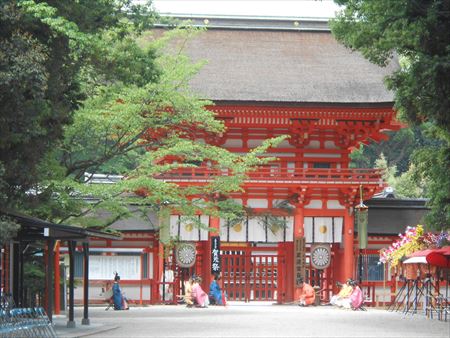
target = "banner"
x: 361, y: 222
x: 215, y: 255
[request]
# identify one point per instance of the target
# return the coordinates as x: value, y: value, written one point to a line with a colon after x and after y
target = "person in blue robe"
x: 215, y: 293
x: 118, y: 298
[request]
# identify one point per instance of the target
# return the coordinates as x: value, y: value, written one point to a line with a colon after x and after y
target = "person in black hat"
x: 120, y: 302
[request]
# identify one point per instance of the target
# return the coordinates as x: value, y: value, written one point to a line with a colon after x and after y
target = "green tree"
x: 134, y: 110
x: 149, y: 123
x: 417, y: 32
x: 397, y: 150
x: 49, y: 54
x: 405, y: 184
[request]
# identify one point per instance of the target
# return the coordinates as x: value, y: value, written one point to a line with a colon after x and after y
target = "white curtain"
x: 187, y: 230
x: 323, y: 229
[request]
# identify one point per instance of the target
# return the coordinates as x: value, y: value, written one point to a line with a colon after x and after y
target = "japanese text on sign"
x: 215, y: 255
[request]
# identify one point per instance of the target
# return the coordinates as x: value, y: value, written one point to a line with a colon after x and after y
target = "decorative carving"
x: 299, y: 196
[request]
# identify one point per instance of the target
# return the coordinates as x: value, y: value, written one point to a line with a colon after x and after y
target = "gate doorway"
x: 322, y: 279
x: 253, y: 273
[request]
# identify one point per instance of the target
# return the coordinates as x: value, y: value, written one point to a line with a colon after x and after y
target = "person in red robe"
x: 305, y: 294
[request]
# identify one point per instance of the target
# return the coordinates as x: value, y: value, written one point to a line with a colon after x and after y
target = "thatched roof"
x: 280, y: 65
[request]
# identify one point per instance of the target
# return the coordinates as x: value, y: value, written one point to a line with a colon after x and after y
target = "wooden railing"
x: 281, y: 175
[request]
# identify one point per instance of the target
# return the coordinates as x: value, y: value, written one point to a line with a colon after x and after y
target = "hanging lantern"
x: 362, y: 220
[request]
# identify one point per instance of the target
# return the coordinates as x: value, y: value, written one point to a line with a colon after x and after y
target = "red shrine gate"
x: 312, y: 174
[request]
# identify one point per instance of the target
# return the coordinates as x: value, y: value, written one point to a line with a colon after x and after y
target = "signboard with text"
x: 215, y: 255
x: 300, y: 259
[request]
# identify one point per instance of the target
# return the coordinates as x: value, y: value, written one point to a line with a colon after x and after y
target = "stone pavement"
x: 96, y: 327
x: 252, y: 320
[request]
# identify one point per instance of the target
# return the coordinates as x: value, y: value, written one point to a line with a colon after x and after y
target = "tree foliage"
x: 397, y: 150
x: 131, y: 113
x: 417, y: 31
x: 8, y: 230
x: 49, y: 54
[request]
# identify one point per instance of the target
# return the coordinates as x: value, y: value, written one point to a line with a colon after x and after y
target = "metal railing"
x: 25, y: 322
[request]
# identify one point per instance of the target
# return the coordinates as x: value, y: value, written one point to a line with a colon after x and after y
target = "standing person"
x: 120, y: 302
x: 200, y: 296
x: 215, y: 294
x: 305, y: 293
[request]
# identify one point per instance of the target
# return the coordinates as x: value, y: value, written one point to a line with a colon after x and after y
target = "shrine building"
x: 270, y: 77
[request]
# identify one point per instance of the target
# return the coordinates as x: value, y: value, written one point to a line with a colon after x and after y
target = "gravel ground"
x: 252, y: 320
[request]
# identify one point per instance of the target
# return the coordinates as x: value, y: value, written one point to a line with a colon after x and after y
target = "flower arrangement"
x: 414, y: 239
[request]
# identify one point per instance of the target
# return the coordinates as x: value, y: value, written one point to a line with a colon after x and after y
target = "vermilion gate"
x: 253, y: 274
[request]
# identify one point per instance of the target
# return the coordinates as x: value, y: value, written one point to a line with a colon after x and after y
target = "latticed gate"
x: 252, y: 274
x: 323, y: 279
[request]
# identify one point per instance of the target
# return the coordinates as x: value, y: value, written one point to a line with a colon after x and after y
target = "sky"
x: 278, y: 8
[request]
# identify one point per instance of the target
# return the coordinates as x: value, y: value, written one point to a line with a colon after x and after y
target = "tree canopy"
x: 121, y: 104
x: 49, y: 52
x: 417, y: 32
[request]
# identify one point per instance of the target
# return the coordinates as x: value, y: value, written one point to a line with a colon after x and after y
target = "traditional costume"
x: 200, y: 296
x: 215, y: 293
x: 305, y: 295
x: 119, y: 300
x: 345, y: 292
x: 356, y: 298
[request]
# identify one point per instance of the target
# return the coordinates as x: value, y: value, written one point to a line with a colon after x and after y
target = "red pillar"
x: 158, y: 264
x: 338, y: 274
x: 348, y: 244
x: 57, y: 281
x: 214, y: 223
x: 299, y: 222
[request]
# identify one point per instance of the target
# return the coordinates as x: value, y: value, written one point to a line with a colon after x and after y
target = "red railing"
x: 281, y: 175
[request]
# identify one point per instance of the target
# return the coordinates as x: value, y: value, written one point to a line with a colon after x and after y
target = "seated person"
x: 344, y: 293
x: 305, y: 293
x: 356, y: 298
x: 200, y: 297
x: 187, y: 297
x: 215, y: 294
